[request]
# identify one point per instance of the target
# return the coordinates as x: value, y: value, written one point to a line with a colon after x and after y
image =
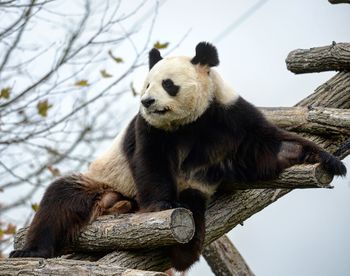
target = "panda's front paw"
x: 160, y: 206
x: 27, y: 253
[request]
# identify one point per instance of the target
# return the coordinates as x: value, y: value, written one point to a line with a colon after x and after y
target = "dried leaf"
x: 5, y: 93
x: 82, y: 83
x: 54, y: 171
x: 10, y: 230
x: 43, y: 107
x: 1, y: 234
x: 160, y: 46
x: 116, y: 59
x: 105, y: 74
x: 35, y: 207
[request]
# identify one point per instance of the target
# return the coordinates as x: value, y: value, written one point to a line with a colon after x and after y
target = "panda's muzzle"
x: 147, y: 102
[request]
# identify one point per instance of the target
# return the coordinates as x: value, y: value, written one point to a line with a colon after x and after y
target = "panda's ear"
x: 206, y: 54
x: 153, y: 57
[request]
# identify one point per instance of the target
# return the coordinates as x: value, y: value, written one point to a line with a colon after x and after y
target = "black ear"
x: 206, y: 54
x: 153, y: 57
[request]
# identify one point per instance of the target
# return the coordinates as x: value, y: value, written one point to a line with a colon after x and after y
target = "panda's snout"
x: 147, y: 102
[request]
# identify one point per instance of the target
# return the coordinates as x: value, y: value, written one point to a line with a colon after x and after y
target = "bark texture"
x: 38, y: 266
x: 314, y: 120
x: 335, y: 57
x: 224, y: 259
x: 296, y: 177
x: 147, y: 230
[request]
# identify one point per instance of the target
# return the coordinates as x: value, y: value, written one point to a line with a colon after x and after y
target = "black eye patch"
x: 170, y: 87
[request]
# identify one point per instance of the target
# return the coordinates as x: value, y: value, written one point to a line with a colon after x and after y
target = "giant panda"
x: 192, y: 132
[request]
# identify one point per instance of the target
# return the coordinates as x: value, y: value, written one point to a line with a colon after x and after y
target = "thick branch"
x: 318, y: 120
x: 335, y: 57
x: 62, y: 267
x: 224, y: 259
x: 339, y: 1
x: 296, y: 177
x: 130, y: 231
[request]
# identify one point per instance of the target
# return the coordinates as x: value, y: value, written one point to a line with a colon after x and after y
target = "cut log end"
x: 182, y: 225
x: 323, y: 178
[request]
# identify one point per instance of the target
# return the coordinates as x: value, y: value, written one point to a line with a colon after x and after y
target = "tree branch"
x: 317, y: 120
x: 129, y: 231
x: 39, y: 266
x: 335, y: 57
x: 339, y: 1
x: 224, y: 258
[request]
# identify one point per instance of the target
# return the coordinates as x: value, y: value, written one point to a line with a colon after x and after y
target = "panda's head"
x: 178, y: 90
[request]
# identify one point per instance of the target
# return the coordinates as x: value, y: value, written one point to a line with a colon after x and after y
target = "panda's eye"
x: 170, y: 87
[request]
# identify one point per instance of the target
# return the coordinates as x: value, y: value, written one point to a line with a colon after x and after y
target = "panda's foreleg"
x: 297, y: 150
x: 68, y: 204
x: 184, y: 255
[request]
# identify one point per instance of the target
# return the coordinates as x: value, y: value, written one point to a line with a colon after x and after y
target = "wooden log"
x: 296, y: 177
x: 39, y: 266
x: 224, y: 259
x: 130, y: 231
x: 335, y: 57
x: 224, y: 213
x: 335, y: 92
x: 315, y: 120
x: 339, y: 1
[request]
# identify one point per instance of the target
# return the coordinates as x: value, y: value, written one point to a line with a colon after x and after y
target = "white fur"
x: 196, y: 93
x: 112, y: 169
x: 224, y: 93
x: 197, y: 90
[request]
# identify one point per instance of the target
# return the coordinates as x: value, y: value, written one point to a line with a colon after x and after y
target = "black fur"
x: 234, y: 143
x: 68, y: 204
x: 184, y: 255
x: 153, y: 57
x: 171, y: 88
x: 206, y: 54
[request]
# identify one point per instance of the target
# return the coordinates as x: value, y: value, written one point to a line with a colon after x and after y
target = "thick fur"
x: 175, y: 152
x: 68, y: 204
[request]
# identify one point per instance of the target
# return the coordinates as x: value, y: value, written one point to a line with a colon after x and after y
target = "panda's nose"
x: 147, y: 102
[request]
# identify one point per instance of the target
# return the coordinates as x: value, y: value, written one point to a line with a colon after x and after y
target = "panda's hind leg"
x: 297, y: 150
x: 184, y: 255
x: 68, y: 204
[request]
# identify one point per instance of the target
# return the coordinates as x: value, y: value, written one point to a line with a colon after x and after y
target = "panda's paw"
x: 30, y: 253
x: 161, y: 205
x: 332, y: 164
